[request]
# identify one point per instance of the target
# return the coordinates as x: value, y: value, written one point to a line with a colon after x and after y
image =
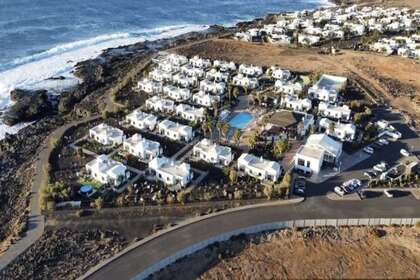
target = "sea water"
x: 45, y: 38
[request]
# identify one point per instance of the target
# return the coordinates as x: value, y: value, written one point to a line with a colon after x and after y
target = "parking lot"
x: 388, y: 153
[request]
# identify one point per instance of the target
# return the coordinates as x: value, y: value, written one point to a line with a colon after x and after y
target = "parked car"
x: 338, y: 190
x: 368, y: 150
x: 381, y: 167
x: 388, y: 194
x: 383, y: 141
x: 299, y: 187
x: 351, y: 185
x: 404, y: 152
x: 370, y: 174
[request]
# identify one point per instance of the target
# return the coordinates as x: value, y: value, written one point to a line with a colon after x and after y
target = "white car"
x: 380, y: 167
x: 383, y: 141
x: 338, y: 190
x: 368, y: 150
x: 404, y: 152
x: 388, y: 194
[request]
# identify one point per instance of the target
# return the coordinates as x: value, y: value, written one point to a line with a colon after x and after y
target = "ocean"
x: 44, y: 38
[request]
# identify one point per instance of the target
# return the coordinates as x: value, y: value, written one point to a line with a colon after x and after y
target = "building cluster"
x: 405, y: 46
x: 312, y: 27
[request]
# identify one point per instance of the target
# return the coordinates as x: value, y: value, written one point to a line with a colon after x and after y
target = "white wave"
x: 61, y: 60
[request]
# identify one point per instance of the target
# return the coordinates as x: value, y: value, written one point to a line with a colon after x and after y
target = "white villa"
x: 184, y: 81
x: 217, y: 76
x: 176, y: 59
x: 295, y: 103
x: 192, y: 71
x: 334, y: 111
x: 107, y: 135
x: 279, y: 74
x: 308, y: 40
x: 149, y: 86
x: 327, y: 88
x: 160, y: 75
x: 176, y: 93
x: 250, y: 70
x: 205, y: 99
x: 142, y: 148
x: 213, y: 87
x: 198, y: 62
x: 213, y: 153
x: 224, y: 66
x: 288, y: 87
x: 259, y: 168
x: 244, y: 81
x: 175, y: 131
x: 107, y: 171
x: 190, y: 113
x: 171, y: 173
x: 159, y: 104
x: 342, y: 131
x: 141, y: 120
x: 319, y: 149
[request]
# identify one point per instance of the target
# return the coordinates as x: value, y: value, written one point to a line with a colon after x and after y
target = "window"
x: 308, y: 164
x: 301, y: 162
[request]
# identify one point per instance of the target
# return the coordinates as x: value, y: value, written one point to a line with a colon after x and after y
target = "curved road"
x: 137, y: 260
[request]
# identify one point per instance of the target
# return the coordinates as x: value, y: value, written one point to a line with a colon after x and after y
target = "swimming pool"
x: 241, y: 120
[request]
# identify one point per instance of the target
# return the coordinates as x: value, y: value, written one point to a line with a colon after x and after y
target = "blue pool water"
x: 241, y: 120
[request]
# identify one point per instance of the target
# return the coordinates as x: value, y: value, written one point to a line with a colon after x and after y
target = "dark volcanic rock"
x: 64, y: 254
x: 29, y: 106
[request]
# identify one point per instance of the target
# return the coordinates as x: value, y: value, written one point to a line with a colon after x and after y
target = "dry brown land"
x: 329, y: 253
x: 385, y: 76
x: 413, y: 4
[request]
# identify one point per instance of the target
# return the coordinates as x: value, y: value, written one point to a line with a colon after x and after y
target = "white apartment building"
x: 171, y: 173
x: 142, y: 148
x: 205, y: 99
x: 342, y: 131
x: 327, y: 88
x: 149, y: 86
x: 334, y: 111
x: 107, y: 135
x: 246, y: 82
x: 175, y: 131
x: 213, y: 87
x: 190, y: 113
x: 296, y: 104
x: 211, y: 152
x: 107, y: 171
x: 176, y: 93
x: 159, y: 104
x: 141, y: 120
x: 259, y: 168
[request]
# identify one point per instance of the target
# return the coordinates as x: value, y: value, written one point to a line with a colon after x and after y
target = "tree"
x: 279, y: 147
x: 331, y: 128
x: 120, y: 201
x: 215, y: 106
x: 237, y: 136
x: 284, y: 187
x: 181, y: 197
x: 99, y: 203
x: 238, y: 194
x: 355, y: 105
x: 268, y: 191
x: 252, y: 140
x: 224, y: 129
x: 233, y: 175
x: 207, y: 127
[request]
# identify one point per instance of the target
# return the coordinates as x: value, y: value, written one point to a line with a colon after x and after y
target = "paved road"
x: 134, y: 262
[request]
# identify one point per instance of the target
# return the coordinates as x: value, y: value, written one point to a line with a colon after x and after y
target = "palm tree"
x: 215, y: 109
x: 279, y: 148
x: 224, y: 129
x: 237, y: 136
x: 252, y: 140
x: 219, y: 129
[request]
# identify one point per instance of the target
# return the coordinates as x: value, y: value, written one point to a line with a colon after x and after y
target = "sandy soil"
x: 393, y: 78
x: 362, y: 253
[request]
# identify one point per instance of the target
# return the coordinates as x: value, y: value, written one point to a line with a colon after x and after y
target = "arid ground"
x: 323, y: 253
x: 393, y: 79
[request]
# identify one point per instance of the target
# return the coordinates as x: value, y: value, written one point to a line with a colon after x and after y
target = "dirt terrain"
x: 413, y: 4
x: 361, y: 253
x: 393, y: 79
